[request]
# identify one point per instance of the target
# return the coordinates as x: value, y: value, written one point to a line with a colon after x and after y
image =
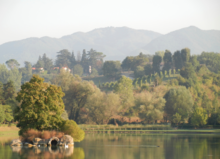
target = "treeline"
x: 177, y: 88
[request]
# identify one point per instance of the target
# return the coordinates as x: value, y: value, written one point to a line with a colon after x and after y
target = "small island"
x: 39, y: 117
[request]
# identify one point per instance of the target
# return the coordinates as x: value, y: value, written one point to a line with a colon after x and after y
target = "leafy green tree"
x: 139, y: 71
x: 124, y: 88
x: 84, y: 61
x: 148, y: 69
x: 13, y: 75
x: 193, y: 60
x: 47, y: 62
x: 63, y: 58
x: 127, y: 63
x: 150, y: 106
x: 167, y: 59
x: 95, y: 59
x: 211, y: 60
x: 78, y: 69
x: 112, y: 69
x: 76, y: 97
x: 160, y: 53
x: 188, y: 71
x: 199, y: 117
x: 156, y: 63
x: 185, y: 54
x: 7, y: 113
x: 206, y: 103
x: 71, y: 128
x: 179, y: 100
x: 12, y: 63
x: 176, y: 118
x: 177, y: 58
x: 2, y: 114
x: 41, y: 106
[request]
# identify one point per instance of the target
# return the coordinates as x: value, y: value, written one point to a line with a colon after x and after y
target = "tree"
x: 188, y: 71
x: 156, y: 63
x: 176, y: 118
x: 167, y: 59
x: 139, y: 71
x: 123, y: 87
x: 2, y: 114
x: 148, y: 69
x: 41, y: 106
x: 185, y: 54
x: 160, y: 53
x: 64, y: 58
x: 199, y: 117
x: 95, y: 59
x: 112, y: 69
x: 71, y: 128
x: 78, y: 69
x: 76, y: 97
x: 12, y: 63
x: 150, y: 106
x: 47, y: 62
x: 177, y: 58
x: 84, y: 61
x: 179, y: 100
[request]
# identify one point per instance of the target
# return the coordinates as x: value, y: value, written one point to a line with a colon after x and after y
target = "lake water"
x: 126, y: 146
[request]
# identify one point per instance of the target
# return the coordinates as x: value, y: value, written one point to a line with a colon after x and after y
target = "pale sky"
x: 20, y: 19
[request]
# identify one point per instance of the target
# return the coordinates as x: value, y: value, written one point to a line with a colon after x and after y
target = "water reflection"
x: 48, y: 152
x: 124, y: 146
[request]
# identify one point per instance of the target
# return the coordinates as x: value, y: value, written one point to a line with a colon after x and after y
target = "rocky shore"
x: 66, y: 141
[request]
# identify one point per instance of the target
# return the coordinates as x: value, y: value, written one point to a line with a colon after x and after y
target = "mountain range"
x: 115, y: 42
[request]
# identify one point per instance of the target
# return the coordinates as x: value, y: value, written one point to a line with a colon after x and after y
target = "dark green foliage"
x: 139, y: 71
x: 211, y: 60
x: 41, y: 106
x: 148, y: 69
x: 167, y: 59
x: 64, y: 59
x: 188, y: 71
x: 179, y: 100
x: 12, y: 63
x: 112, y: 69
x: 131, y: 62
x: 185, y: 54
x: 177, y: 58
x: 156, y: 63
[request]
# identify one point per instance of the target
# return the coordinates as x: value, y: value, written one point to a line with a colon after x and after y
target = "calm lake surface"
x: 126, y: 146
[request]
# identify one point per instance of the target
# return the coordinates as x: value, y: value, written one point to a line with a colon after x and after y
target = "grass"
x: 143, y: 129
x: 8, y: 133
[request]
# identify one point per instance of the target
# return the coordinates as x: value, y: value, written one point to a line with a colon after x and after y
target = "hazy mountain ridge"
x: 192, y: 37
x: 116, y: 43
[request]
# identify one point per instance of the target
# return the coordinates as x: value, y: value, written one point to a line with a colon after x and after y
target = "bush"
x: 71, y: 128
x: 30, y: 134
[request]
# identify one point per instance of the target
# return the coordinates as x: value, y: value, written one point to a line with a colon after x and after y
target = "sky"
x: 21, y: 19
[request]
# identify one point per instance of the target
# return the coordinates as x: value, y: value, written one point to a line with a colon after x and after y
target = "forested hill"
x: 113, y: 42
x: 192, y: 37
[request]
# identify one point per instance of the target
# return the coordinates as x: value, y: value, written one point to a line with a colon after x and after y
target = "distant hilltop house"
x: 66, y: 69
x: 40, y: 69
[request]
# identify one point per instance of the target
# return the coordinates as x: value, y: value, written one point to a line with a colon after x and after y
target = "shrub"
x: 71, y: 128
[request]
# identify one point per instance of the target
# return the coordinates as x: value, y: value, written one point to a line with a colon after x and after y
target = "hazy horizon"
x: 22, y: 19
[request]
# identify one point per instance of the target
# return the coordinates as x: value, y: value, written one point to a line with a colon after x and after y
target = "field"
x: 8, y: 133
